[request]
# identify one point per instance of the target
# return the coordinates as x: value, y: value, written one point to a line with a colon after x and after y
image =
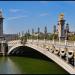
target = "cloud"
x: 43, y: 2
x: 18, y: 17
x: 70, y: 2
x: 14, y: 10
x: 44, y: 14
x: 17, y: 10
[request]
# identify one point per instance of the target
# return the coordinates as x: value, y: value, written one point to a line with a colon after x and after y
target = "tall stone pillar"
x: 61, y: 23
x: 1, y: 26
x: 2, y: 38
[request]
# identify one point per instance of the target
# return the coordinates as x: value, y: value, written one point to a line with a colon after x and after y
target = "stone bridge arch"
x: 32, y: 53
x: 13, y: 47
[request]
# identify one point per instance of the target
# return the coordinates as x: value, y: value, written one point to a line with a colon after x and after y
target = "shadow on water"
x: 28, y: 52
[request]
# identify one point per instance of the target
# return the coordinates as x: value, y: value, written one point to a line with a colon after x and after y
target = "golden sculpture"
x: 61, y: 16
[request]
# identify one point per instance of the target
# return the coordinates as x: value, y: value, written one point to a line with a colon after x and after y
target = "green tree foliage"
x: 71, y: 38
x: 53, y: 35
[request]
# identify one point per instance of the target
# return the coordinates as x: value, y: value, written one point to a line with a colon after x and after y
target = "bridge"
x: 61, y: 53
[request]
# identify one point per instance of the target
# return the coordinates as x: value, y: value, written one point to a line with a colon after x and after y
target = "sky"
x: 23, y: 15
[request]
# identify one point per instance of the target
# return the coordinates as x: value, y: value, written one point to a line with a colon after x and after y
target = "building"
x: 10, y: 37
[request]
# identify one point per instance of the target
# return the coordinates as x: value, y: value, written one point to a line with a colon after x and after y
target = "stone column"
x: 2, y: 49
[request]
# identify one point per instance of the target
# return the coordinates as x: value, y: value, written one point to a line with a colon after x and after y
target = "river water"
x: 29, y: 65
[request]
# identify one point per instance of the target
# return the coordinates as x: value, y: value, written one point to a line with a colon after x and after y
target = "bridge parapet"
x: 14, y: 42
x: 3, y: 41
x: 69, y: 43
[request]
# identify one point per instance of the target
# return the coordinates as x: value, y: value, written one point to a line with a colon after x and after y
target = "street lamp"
x: 38, y: 34
x: 28, y: 33
x: 53, y: 38
x: 32, y: 34
x: 45, y: 32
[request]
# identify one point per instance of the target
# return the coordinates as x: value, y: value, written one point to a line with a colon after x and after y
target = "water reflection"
x: 26, y: 65
x: 7, y: 66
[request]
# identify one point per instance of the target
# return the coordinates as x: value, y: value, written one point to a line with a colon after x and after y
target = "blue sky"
x: 23, y: 15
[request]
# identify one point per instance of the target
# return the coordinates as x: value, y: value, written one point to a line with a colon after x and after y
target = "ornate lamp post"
x: 25, y: 39
x: 38, y: 34
x: 66, y: 35
x: 32, y: 34
x: 45, y: 34
x: 28, y: 33
x: 53, y: 38
x: 19, y: 35
x: 54, y: 30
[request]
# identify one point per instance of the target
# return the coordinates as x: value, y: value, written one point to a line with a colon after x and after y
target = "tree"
x: 53, y: 36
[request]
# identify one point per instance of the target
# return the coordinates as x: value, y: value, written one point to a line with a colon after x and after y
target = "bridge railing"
x: 69, y: 43
x: 14, y: 42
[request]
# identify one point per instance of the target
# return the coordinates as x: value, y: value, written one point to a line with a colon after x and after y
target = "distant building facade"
x: 10, y: 37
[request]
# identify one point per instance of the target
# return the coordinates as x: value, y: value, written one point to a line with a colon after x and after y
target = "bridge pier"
x: 3, y: 48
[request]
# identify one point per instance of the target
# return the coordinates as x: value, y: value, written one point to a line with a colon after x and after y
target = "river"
x: 29, y: 65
